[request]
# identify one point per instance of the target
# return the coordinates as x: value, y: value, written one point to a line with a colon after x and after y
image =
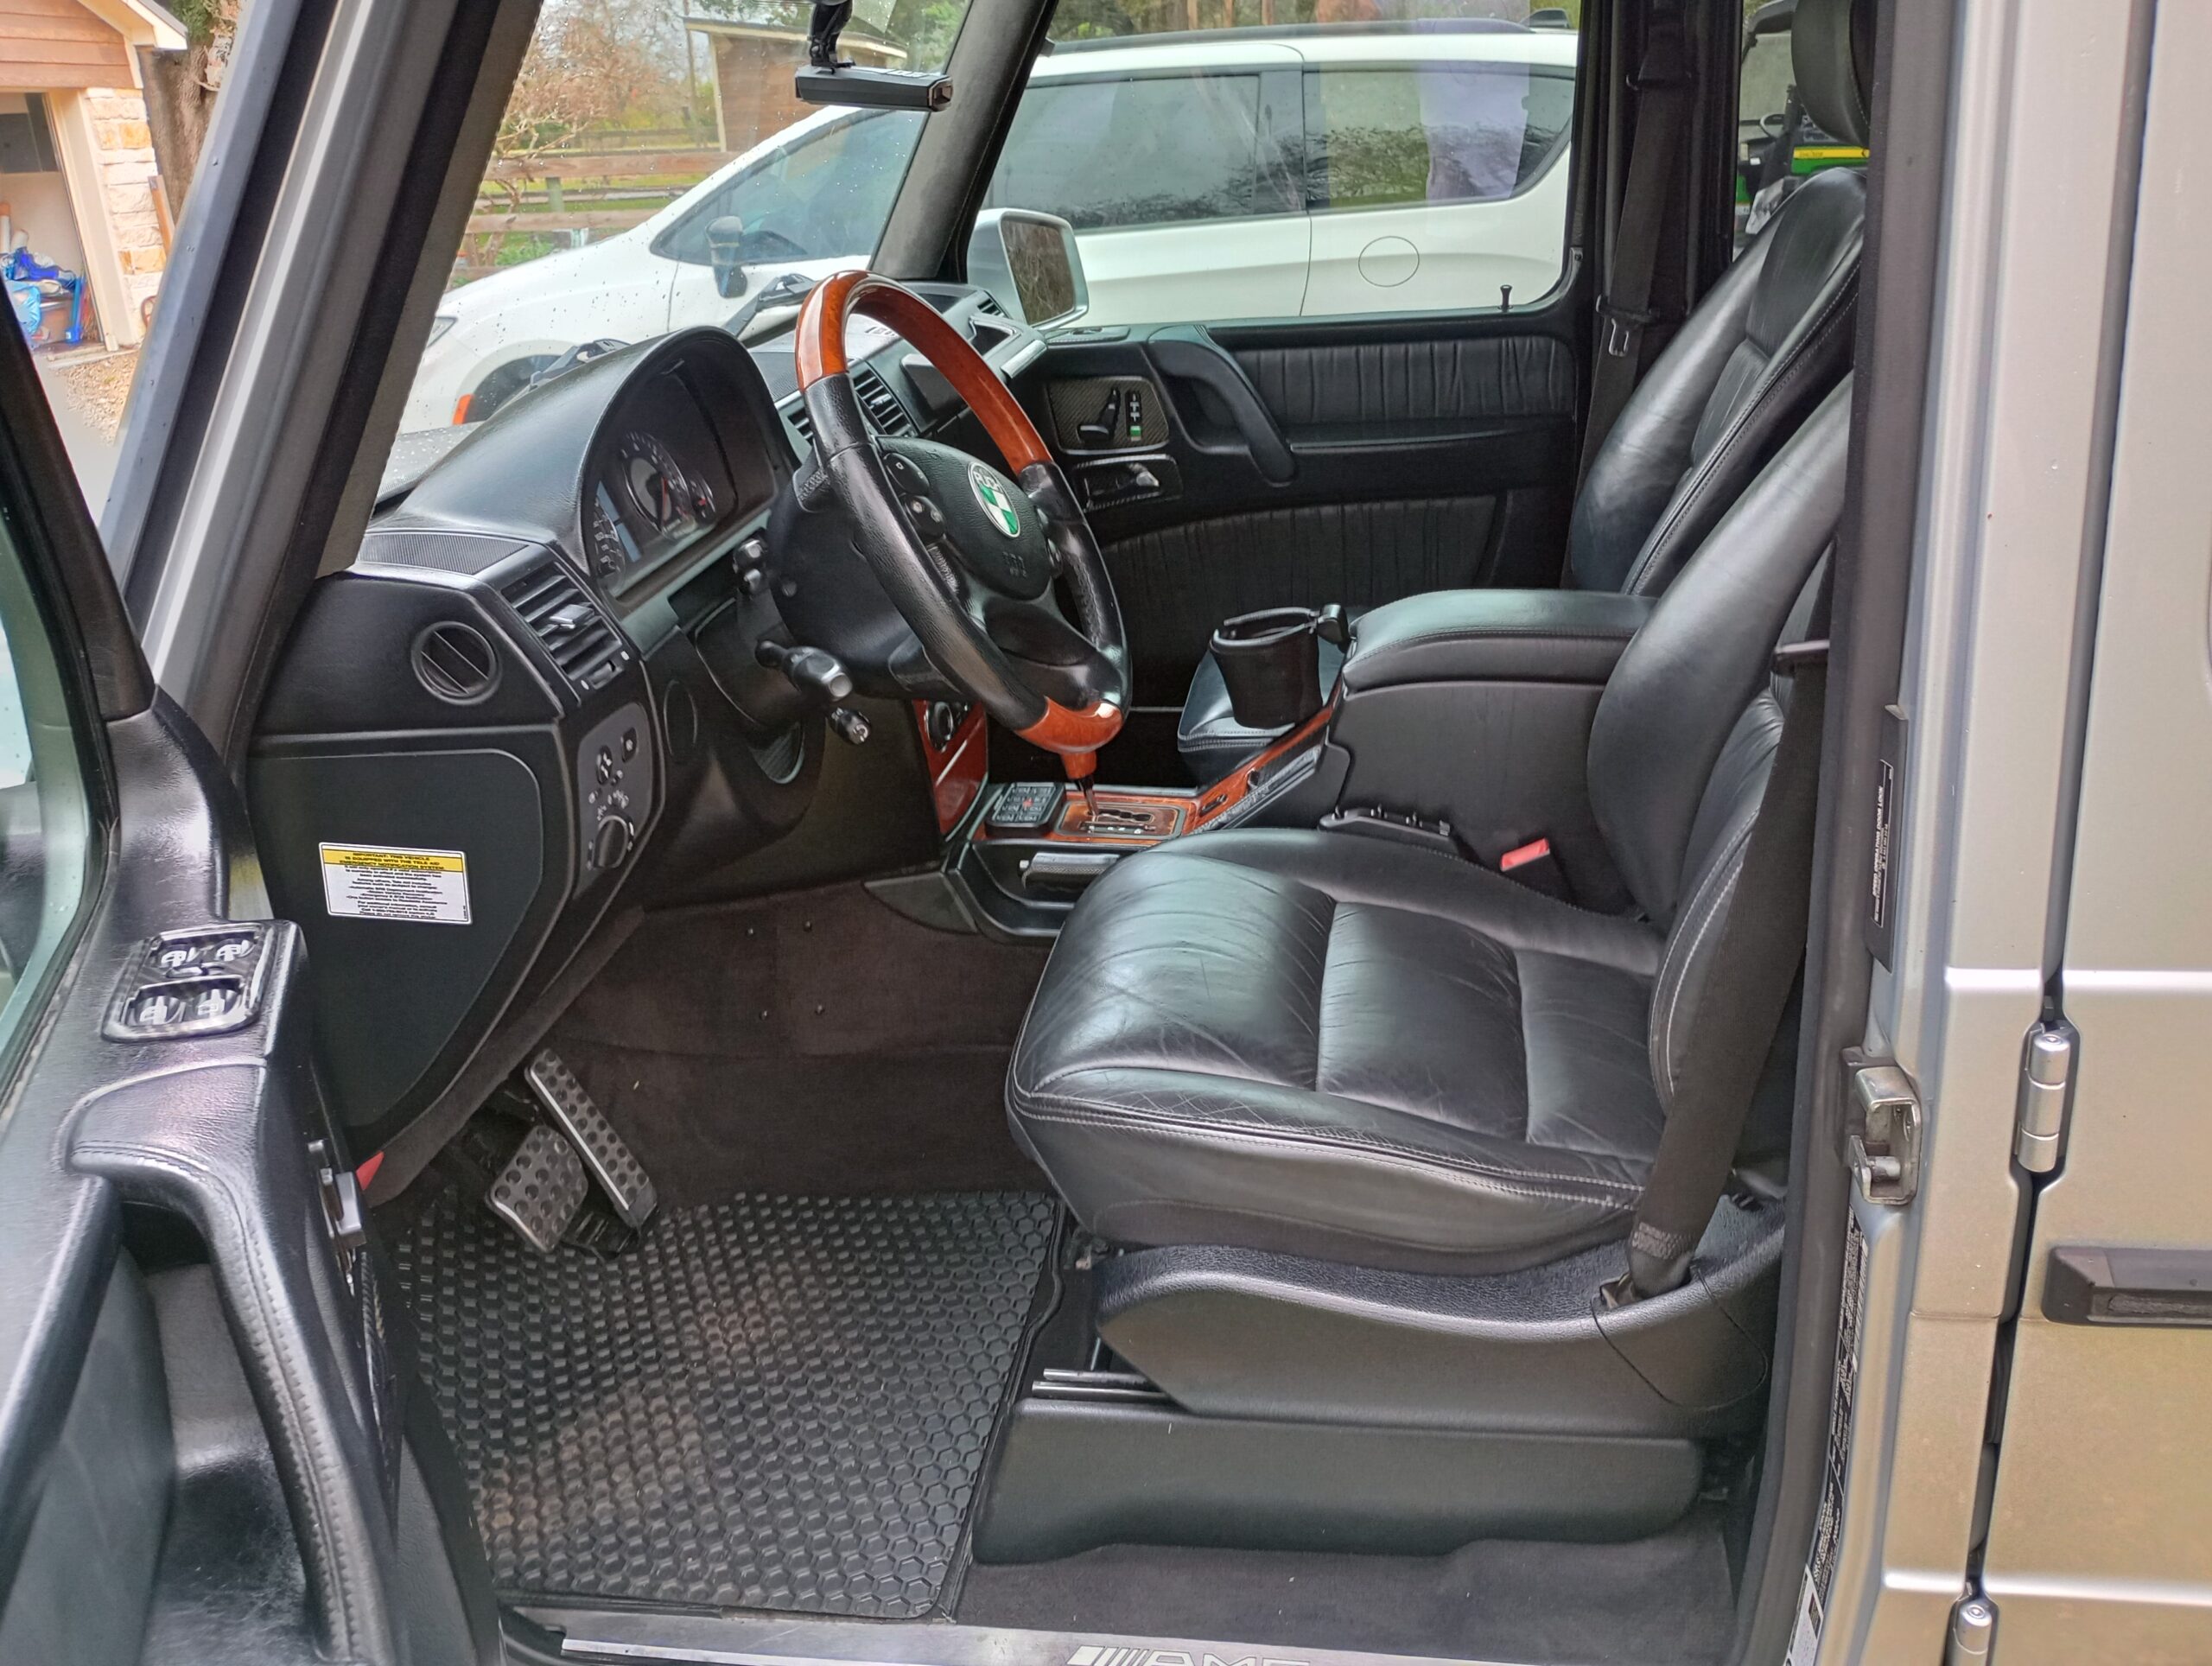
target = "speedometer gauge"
x: 656, y: 484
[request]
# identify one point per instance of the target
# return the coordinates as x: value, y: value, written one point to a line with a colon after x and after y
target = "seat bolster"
x: 1642, y: 461
x: 1165, y: 1156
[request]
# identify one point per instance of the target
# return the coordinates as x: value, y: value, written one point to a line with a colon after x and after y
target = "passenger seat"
x: 1766, y: 344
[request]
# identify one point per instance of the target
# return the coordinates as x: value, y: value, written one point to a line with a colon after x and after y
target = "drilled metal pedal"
x: 540, y: 1189
x: 609, y: 1160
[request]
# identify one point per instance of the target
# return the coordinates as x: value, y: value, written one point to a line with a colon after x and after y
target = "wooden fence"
x: 573, y: 197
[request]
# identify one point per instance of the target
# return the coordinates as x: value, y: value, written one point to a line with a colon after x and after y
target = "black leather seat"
x: 1762, y: 347
x: 1338, y: 1048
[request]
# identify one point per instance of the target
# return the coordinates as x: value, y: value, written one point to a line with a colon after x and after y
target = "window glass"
x: 44, y: 823
x: 102, y: 131
x: 1287, y: 158
x: 827, y: 194
x: 1378, y: 137
x: 656, y: 171
x: 1183, y: 148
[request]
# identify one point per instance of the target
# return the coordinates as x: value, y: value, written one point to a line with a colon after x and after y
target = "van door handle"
x: 1188, y: 351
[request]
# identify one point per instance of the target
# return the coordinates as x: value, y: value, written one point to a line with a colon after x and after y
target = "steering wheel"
x: 969, y: 557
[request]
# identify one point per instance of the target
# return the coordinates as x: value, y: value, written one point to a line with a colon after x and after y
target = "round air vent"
x: 454, y: 662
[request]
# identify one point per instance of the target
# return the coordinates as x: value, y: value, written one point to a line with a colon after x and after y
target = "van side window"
x: 1390, y: 137
x: 1160, y: 150
x: 827, y: 194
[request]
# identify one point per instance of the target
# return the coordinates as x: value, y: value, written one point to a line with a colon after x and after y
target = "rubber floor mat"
x: 772, y: 1402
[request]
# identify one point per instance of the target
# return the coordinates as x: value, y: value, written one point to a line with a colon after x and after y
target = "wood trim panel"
x: 958, y: 769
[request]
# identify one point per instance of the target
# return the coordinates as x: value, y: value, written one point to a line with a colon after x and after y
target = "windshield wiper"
x: 778, y: 293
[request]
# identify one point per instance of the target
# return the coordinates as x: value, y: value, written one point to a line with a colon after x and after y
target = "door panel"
x: 163, y: 1113
x: 1305, y: 463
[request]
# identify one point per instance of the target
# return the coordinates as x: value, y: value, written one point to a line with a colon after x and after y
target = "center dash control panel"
x: 614, y: 791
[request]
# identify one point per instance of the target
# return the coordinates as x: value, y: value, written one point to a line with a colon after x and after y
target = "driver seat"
x: 1332, y: 1047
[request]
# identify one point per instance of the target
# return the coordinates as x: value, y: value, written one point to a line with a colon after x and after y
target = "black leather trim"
x: 1473, y: 636
x: 1424, y: 385
x: 1323, y: 1045
x: 1679, y: 687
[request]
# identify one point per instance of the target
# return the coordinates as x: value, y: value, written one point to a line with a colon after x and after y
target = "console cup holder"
x: 1270, y: 663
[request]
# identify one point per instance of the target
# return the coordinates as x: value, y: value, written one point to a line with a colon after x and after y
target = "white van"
x: 1229, y: 174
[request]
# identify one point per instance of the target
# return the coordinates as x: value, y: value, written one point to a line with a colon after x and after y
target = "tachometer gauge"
x: 656, y: 484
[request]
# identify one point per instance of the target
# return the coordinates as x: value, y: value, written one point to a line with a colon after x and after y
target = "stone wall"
x: 128, y: 178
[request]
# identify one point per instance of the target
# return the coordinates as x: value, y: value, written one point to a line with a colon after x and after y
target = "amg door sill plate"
x: 785, y: 1640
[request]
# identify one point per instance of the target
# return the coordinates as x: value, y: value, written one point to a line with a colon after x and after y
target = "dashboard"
x: 542, y: 676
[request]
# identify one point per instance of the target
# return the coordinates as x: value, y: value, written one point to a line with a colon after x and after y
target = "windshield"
x: 655, y: 171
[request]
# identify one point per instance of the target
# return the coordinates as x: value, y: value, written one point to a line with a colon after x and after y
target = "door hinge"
x: 2046, y: 1084
x: 1884, y: 1129
x: 1974, y: 1631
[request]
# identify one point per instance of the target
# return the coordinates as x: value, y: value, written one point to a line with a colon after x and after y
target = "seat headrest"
x: 1832, y: 52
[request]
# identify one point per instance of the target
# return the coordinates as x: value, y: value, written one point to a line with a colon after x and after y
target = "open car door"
x: 202, y: 1446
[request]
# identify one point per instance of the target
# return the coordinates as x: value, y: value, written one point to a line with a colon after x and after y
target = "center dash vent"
x: 886, y: 415
x: 583, y: 645
x: 881, y: 405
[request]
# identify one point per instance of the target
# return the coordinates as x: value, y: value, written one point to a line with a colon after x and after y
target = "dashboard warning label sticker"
x: 382, y: 881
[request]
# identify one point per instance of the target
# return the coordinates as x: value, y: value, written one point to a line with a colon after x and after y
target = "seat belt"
x: 1755, y: 965
x: 1663, y: 84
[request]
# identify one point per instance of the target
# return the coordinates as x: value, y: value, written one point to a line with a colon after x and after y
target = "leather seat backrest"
x: 1763, y: 347
x: 1661, y: 743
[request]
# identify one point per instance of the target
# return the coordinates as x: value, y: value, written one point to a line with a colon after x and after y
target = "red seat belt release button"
x: 1521, y: 855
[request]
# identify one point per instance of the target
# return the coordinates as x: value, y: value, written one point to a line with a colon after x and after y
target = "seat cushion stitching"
x: 1074, y: 1108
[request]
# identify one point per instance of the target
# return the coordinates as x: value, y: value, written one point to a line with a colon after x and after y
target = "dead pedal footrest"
x: 540, y: 1189
x: 605, y: 1156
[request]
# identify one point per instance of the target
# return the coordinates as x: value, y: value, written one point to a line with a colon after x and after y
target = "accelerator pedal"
x: 540, y: 1189
x: 606, y: 1158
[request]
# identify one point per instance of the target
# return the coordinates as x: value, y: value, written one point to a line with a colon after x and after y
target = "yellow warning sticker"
x: 383, y: 881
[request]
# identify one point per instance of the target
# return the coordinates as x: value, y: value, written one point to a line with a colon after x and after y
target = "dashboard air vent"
x: 881, y: 403
x: 583, y: 645
x: 884, y: 414
x: 988, y: 302
x: 454, y: 662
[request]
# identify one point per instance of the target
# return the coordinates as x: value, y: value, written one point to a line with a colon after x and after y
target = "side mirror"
x: 726, y: 249
x: 1030, y: 264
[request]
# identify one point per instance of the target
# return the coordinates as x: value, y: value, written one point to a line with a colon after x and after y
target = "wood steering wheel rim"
x: 1074, y: 735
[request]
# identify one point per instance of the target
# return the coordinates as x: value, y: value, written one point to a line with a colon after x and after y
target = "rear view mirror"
x: 1030, y: 264
x: 726, y: 249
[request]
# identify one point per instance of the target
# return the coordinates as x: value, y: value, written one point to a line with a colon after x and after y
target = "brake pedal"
x: 609, y: 1160
x: 540, y: 1189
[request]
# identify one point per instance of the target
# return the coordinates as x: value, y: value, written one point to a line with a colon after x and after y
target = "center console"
x: 1460, y: 722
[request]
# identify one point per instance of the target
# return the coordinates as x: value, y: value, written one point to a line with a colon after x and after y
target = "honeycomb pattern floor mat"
x: 779, y: 1403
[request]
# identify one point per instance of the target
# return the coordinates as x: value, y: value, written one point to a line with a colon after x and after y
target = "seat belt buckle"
x: 1535, y: 865
x: 1792, y: 656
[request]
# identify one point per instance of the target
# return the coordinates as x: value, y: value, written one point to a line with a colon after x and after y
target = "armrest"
x: 1499, y: 636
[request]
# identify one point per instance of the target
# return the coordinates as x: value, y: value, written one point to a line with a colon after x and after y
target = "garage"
x: 84, y: 225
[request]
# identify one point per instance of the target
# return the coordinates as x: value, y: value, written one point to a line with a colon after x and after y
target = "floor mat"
x: 772, y: 1403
